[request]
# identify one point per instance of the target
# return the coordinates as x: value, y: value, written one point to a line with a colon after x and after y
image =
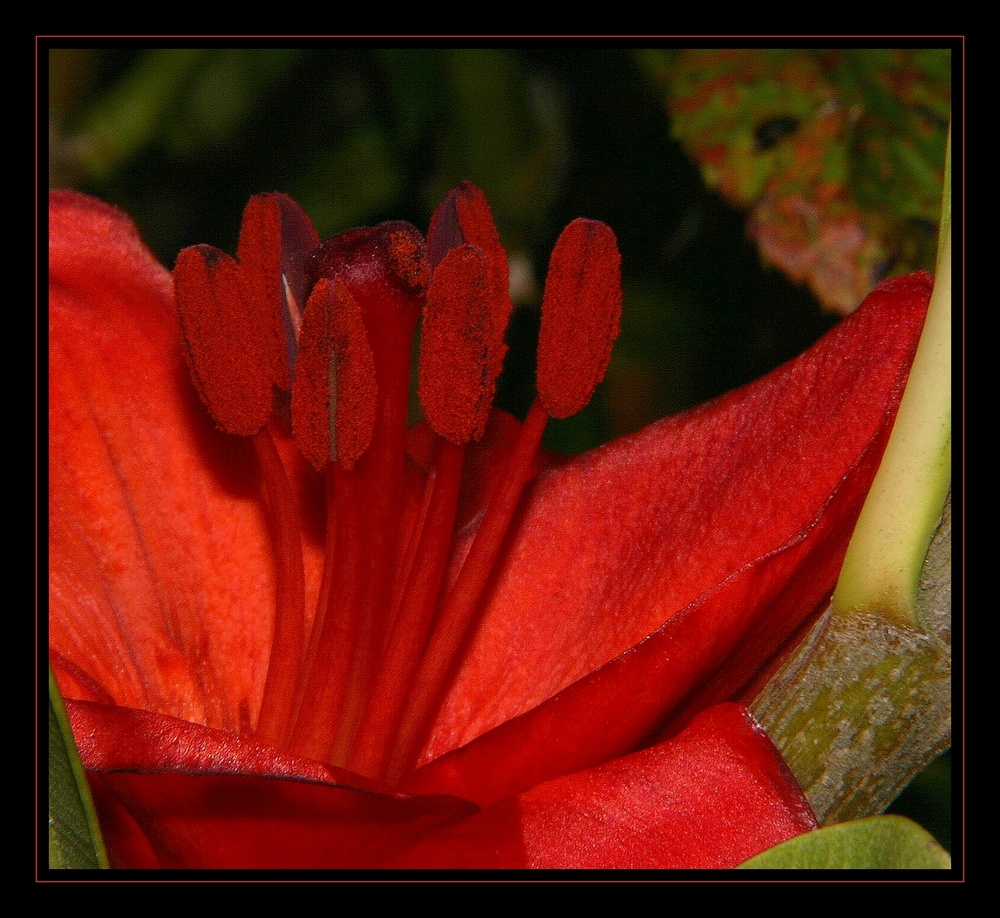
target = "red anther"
x: 334, y: 393
x: 581, y: 314
x: 276, y: 239
x: 465, y: 217
x: 231, y: 362
x: 458, y: 338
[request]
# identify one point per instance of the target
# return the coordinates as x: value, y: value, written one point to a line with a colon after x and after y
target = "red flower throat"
x: 332, y: 325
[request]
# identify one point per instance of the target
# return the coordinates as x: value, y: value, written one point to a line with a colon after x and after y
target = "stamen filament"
x: 322, y: 603
x: 382, y: 475
x: 413, y: 624
x: 326, y: 679
x: 289, y: 614
x: 453, y: 626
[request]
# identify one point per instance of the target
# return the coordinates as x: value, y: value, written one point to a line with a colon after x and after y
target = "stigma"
x: 316, y: 338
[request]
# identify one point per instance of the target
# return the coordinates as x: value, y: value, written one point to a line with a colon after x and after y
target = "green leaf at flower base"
x: 74, y: 837
x: 876, y: 843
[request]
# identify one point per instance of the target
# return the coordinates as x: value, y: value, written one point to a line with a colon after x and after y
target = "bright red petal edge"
x: 711, y: 797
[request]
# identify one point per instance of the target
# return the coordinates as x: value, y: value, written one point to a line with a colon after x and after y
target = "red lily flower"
x: 477, y: 656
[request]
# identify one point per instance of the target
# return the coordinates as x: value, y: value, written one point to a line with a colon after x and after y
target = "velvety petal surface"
x: 150, y: 607
x: 247, y: 822
x: 693, y: 549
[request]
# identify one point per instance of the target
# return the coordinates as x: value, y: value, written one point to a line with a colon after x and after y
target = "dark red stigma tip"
x: 384, y: 266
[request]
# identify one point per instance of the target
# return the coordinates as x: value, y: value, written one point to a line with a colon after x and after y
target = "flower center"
x: 332, y: 324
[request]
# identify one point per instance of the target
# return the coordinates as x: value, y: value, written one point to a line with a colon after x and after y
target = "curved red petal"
x: 738, y: 513
x: 149, y: 606
x: 175, y: 794
x: 711, y: 797
x: 115, y: 738
x: 245, y: 822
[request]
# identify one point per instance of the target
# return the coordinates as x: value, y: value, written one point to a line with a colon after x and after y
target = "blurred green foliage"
x: 180, y: 138
x: 837, y: 154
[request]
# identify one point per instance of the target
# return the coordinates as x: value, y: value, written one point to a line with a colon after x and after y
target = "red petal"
x: 146, y: 498
x: 243, y: 822
x: 710, y: 798
x: 738, y: 513
x: 175, y: 794
x: 181, y: 795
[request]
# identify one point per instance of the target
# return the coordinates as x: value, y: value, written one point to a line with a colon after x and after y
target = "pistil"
x: 463, y: 329
x: 378, y: 276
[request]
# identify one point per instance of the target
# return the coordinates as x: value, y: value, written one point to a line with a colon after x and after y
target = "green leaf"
x: 876, y: 843
x: 836, y: 154
x: 74, y: 837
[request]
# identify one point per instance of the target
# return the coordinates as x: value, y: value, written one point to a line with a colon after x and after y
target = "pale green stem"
x: 881, y: 571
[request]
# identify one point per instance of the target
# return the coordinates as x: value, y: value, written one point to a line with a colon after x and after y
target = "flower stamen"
x: 382, y: 270
x: 581, y: 316
x: 581, y: 312
x: 389, y: 632
x: 288, y: 638
x: 463, y: 328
